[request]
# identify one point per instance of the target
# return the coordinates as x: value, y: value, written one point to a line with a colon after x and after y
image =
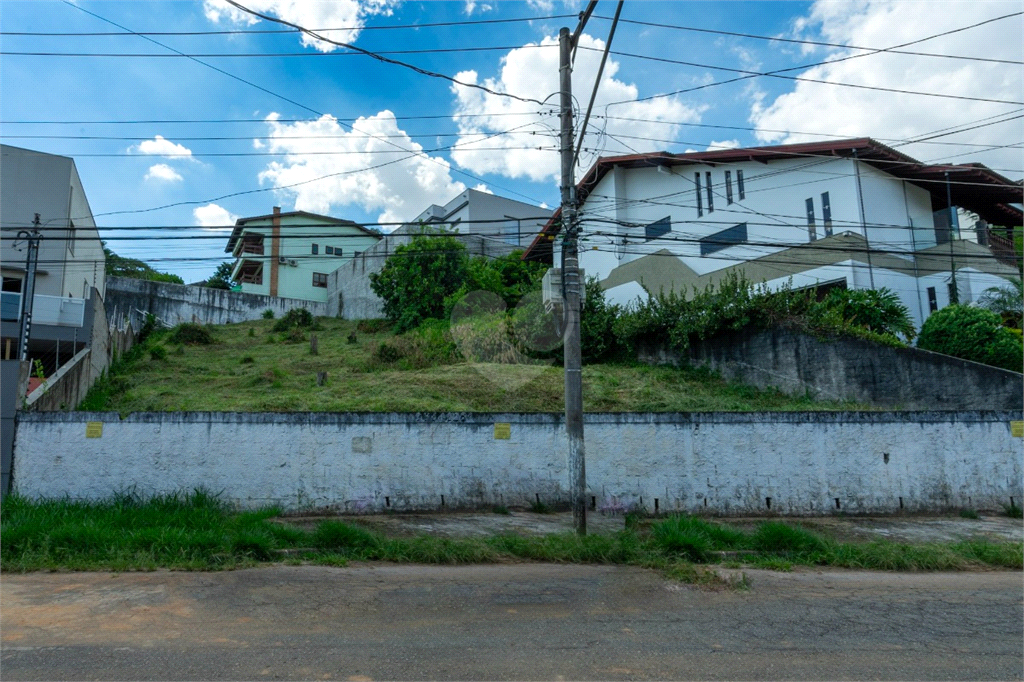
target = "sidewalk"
x: 902, y: 528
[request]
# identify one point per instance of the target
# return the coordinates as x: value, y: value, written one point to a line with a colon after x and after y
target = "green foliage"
x: 509, y: 277
x: 969, y: 514
x: 296, y: 318
x: 1006, y: 301
x: 877, y: 310
x: 268, y: 314
x: 418, y: 277
x: 428, y: 345
x: 1014, y: 512
x: 158, y: 353
x: 338, y: 536
x: 372, y: 326
x: 119, y: 266
x: 598, y: 341
x: 973, y: 334
x: 221, y: 278
x: 191, y: 334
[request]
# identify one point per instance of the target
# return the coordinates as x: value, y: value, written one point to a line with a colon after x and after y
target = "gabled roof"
x: 973, y: 186
x: 242, y: 222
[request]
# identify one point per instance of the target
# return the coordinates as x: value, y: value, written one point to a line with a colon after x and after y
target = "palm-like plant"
x: 1006, y: 301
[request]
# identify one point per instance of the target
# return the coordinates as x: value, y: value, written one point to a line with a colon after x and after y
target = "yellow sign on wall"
x: 1017, y: 429
x: 502, y: 431
x: 94, y: 429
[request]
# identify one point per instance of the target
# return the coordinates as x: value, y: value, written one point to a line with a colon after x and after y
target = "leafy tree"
x: 598, y: 342
x: 972, y: 334
x: 418, y: 277
x: 1006, y: 301
x: 221, y: 278
x: 119, y: 266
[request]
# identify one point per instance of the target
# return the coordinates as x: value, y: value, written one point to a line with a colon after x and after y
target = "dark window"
x: 659, y: 228
x: 812, y: 231
x: 826, y: 213
x: 728, y: 187
x: 700, y: 199
x: 739, y: 184
x: 320, y: 279
x: 337, y: 250
x: 12, y: 284
x: 933, y: 303
x: 316, y: 249
x: 737, y: 234
x: 329, y: 250
x: 711, y: 196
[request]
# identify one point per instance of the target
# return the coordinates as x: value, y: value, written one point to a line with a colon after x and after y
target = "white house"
x: 850, y: 213
x: 70, y: 257
x: 291, y: 254
x: 488, y: 225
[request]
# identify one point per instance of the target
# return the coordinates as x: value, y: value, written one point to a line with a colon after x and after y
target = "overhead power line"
x: 799, y: 41
x: 385, y: 27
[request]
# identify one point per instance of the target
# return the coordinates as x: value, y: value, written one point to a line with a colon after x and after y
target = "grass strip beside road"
x: 199, y: 532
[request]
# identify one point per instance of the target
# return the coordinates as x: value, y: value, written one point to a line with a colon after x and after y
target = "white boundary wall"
x: 725, y: 463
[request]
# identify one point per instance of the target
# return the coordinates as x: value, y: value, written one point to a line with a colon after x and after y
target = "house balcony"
x: 248, y: 272
x: 49, y: 310
x: 249, y: 245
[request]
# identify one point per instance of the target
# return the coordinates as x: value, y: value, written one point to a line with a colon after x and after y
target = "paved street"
x: 520, y: 621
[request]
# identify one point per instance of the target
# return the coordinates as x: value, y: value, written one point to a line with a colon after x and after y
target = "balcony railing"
x: 51, y: 310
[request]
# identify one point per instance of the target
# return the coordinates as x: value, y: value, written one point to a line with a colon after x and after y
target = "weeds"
x: 191, y: 334
x: 969, y: 514
x: 197, y: 531
x: 1014, y: 512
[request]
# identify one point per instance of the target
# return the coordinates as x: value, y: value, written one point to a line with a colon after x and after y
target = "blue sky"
x: 152, y: 131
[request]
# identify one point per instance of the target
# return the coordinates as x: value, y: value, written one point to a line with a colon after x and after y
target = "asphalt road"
x: 519, y: 621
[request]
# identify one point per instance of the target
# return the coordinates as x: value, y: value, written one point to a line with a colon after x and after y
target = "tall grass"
x: 197, y: 531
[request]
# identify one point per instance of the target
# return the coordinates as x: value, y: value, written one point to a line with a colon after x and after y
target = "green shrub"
x: 294, y: 319
x: 158, y: 353
x: 428, y: 345
x: 418, y: 277
x: 268, y: 314
x: 774, y: 536
x: 973, y: 334
x: 191, y: 334
x: 876, y: 310
x: 598, y: 342
x: 1014, y: 512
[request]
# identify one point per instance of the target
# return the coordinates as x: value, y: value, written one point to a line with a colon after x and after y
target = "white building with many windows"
x: 849, y: 213
x: 290, y: 255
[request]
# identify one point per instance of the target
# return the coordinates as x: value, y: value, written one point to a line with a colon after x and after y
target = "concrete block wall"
x: 724, y: 463
x: 177, y: 303
x: 853, y: 369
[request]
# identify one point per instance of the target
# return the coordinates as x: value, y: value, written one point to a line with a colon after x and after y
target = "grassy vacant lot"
x: 250, y: 368
x: 198, y: 532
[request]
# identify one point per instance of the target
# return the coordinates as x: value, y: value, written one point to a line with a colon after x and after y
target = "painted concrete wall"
x: 853, y: 369
x: 727, y: 463
x: 176, y: 303
x: 34, y: 182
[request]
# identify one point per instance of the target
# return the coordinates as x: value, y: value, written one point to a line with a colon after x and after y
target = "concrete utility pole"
x: 954, y: 293
x: 571, y: 286
x: 29, y: 290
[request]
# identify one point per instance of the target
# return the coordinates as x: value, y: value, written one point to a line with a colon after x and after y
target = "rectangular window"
x: 933, y: 302
x: 659, y: 228
x: 739, y: 184
x: 711, y: 197
x: 329, y: 250
x: 316, y: 249
x: 10, y: 299
x: 826, y: 213
x: 737, y: 234
x: 728, y: 187
x: 700, y: 199
x: 812, y: 231
x: 320, y: 280
x: 337, y: 251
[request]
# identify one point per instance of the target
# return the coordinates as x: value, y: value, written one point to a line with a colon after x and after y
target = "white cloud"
x: 162, y: 171
x: 322, y: 16
x: 482, y: 187
x: 848, y: 112
x: 541, y: 5
x: 471, y: 6
x: 161, y: 146
x: 724, y: 144
x: 212, y: 216
x: 532, y: 72
x: 369, y: 168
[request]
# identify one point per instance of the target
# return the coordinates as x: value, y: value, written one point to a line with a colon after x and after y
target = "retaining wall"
x: 853, y: 369
x: 176, y: 303
x: 725, y: 463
